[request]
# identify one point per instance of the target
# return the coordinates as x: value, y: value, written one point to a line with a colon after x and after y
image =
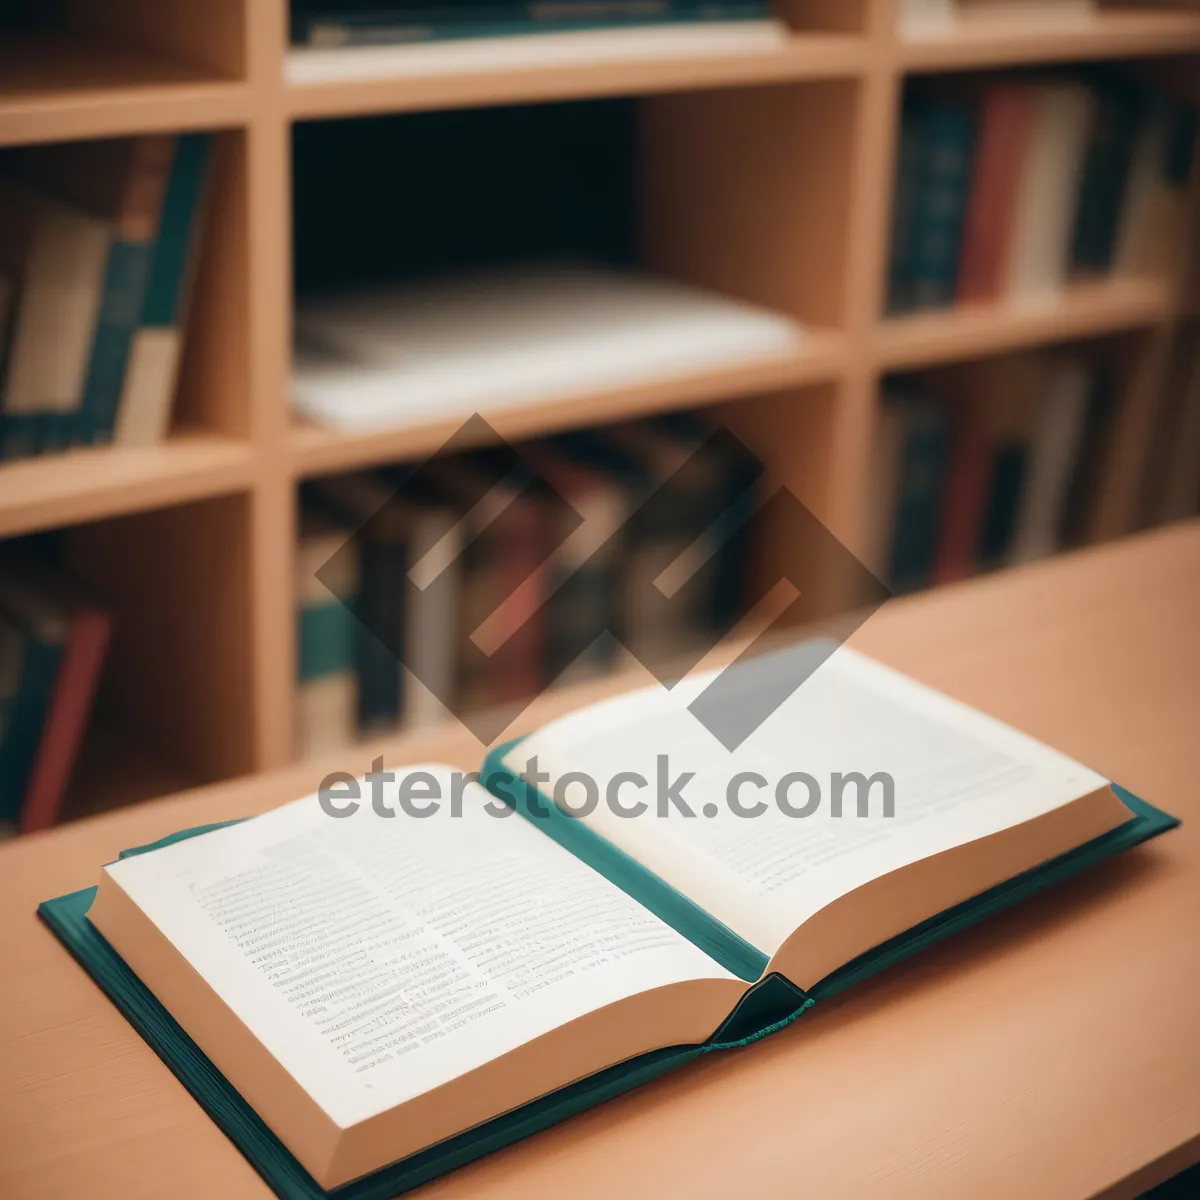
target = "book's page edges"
x: 767, y: 1007
x: 1147, y: 822
x: 652, y: 892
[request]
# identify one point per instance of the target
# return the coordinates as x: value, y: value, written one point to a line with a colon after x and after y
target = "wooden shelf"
x: 1082, y: 310
x: 317, y: 449
x: 803, y: 56
x: 88, y: 485
x: 991, y: 43
x: 58, y: 88
x: 778, y: 195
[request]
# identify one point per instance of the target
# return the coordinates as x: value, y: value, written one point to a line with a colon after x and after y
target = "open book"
x: 376, y: 986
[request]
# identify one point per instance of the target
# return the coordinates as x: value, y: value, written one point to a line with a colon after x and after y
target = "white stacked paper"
x: 590, y: 47
x: 384, y: 357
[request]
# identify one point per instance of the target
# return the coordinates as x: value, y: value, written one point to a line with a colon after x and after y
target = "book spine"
x: 66, y: 720
x: 60, y: 300
x: 743, y: 491
x: 516, y: 667
x: 1097, y: 435
x: 584, y: 588
x: 126, y: 278
x: 1041, y: 245
x: 1107, y: 166
x: 140, y: 412
x: 1006, y: 120
x: 906, y: 193
x: 941, y: 205
x: 967, y: 483
x: 327, y: 685
x: 1008, y: 470
x: 431, y: 661
x: 39, y: 670
x: 922, y: 477
x: 379, y: 655
x: 18, y: 232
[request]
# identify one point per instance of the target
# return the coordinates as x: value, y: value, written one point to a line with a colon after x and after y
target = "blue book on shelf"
x: 939, y: 208
x: 924, y: 459
x: 906, y: 190
x: 154, y: 278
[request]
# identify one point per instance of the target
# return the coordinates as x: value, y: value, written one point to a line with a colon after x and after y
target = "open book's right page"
x: 941, y: 775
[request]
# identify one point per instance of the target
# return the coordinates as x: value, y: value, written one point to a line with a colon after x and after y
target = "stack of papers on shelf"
x: 578, y: 48
x: 383, y: 357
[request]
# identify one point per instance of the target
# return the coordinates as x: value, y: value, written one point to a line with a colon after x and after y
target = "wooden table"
x: 1054, y: 1051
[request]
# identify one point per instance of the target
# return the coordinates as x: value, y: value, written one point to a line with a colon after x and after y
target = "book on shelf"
x: 1013, y: 189
x: 122, y: 182
x: 1172, y: 486
x: 143, y: 412
x: 922, y: 448
x: 488, y: 567
x: 320, y: 25
x: 906, y: 195
x: 886, y: 464
x: 964, y: 503
x: 443, y: 987
x: 435, y: 545
x: 1107, y: 167
x: 1060, y: 421
x: 1039, y: 252
x: 943, y: 174
x: 53, y: 641
x: 504, y: 575
x: 991, y: 406
x: 326, y: 657
x: 987, y: 463
x: 8, y: 309
x: 1087, y: 472
x: 674, y: 570
x: 365, y: 506
x: 391, y: 355
x: 1155, y: 213
x: 584, y: 571
x: 98, y: 240
x: 1005, y: 126
x: 57, y: 253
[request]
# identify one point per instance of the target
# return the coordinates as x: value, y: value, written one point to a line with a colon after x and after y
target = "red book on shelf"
x: 66, y: 719
x: 1006, y: 121
x: 963, y: 502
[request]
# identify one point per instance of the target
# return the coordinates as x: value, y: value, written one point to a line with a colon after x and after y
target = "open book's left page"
x: 378, y: 959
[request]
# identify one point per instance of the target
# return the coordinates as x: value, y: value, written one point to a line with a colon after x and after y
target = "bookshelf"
x: 792, y: 147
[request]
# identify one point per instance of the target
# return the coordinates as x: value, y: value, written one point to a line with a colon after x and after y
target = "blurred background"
x: 931, y: 262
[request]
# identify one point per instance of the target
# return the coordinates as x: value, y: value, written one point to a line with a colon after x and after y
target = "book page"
x: 761, y: 849
x: 377, y: 958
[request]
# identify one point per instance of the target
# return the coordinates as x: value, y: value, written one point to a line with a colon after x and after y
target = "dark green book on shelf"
x: 378, y: 983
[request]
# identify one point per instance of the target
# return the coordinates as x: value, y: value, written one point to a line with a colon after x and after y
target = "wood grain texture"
x: 91, y: 484
x: 56, y: 89
x: 1050, y: 1052
x: 1105, y: 34
x: 1081, y: 310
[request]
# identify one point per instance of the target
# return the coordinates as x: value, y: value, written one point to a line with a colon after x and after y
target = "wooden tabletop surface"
x: 1053, y: 1051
